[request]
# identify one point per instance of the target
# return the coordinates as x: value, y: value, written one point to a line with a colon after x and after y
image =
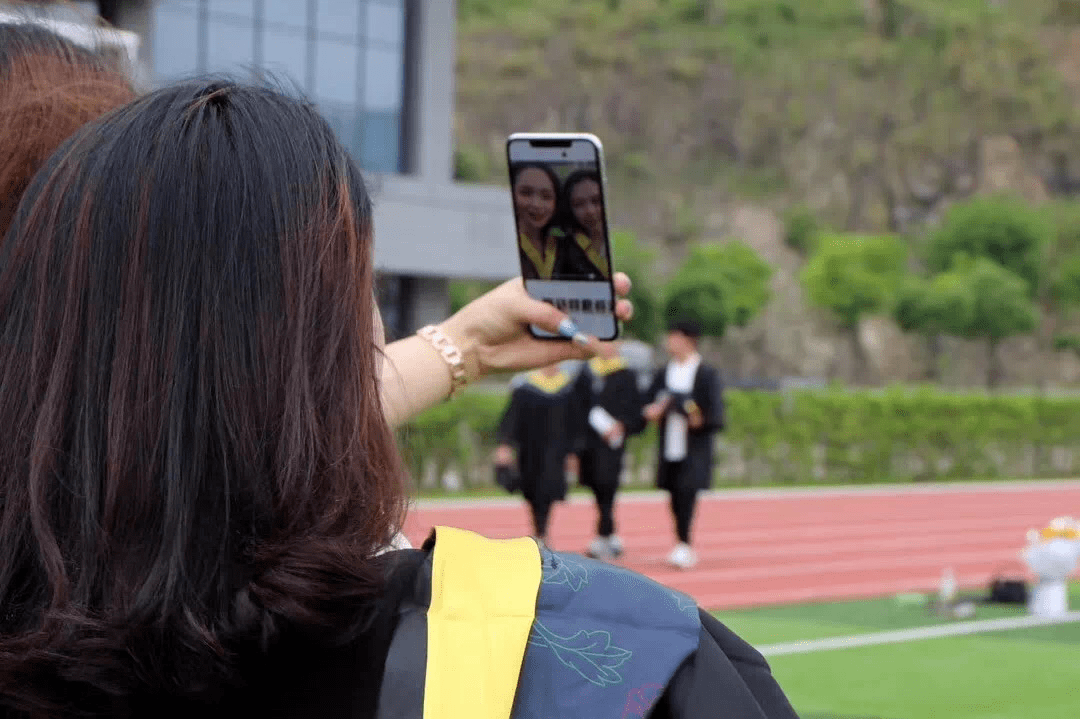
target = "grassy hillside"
x: 867, y: 110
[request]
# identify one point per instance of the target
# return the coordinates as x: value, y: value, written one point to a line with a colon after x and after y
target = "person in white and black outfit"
x: 686, y: 400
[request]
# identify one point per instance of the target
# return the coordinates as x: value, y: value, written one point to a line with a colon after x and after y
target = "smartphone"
x: 558, y: 193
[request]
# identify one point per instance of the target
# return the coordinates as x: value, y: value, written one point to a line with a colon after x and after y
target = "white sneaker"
x: 599, y: 548
x: 682, y: 556
x: 616, y: 546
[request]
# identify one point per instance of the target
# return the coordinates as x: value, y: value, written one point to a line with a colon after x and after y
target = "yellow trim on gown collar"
x: 601, y: 366
x: 550, y: 384
x: 483, y: 603
x: 545, y: 265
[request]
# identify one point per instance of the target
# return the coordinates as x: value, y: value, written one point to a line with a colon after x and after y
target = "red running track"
x: 780, y: 547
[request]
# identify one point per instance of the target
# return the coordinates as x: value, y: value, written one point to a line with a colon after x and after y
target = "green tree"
x: 637, y: 261
x: 1006, y: 230
x: 462, y: 292
x: 800, y: 229
x: 853, y: 276
x: 911, y: 311
x: 1064, y: 299
x: 720, y: 285
x: 932, y: 307
x: 1000, y: 306
x: 471, y: 164
x: 1061, y: 296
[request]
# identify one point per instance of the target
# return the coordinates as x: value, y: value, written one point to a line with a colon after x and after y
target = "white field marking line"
x: 630, y: 497
x: 917, y: 634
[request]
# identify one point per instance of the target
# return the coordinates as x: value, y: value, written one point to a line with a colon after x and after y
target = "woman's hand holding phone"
x: 493, y: 334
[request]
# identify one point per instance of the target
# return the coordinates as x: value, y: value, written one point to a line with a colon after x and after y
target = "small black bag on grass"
x: 1008, y: 591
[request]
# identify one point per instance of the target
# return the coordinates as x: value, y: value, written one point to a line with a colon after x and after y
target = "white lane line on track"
x: 901, y: 636
x: 822, y: 529
x: 1031, y: 485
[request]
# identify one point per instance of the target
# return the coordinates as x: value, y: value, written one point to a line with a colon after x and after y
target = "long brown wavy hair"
x: 194, y: 454
x: 49, y: 88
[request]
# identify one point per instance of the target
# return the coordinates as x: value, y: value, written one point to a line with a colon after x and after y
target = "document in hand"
x: 602, y: 421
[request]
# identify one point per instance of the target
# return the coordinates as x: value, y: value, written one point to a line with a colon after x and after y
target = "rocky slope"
x: 877, y: 114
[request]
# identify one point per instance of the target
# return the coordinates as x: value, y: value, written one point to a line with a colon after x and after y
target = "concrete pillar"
x: 137, y: 16
x: 429, y: 302
x: 429, y: 103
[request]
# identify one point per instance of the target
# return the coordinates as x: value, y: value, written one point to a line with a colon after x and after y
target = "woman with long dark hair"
x: 586, y: 253
x: 536, y: 191
x: 199, y: 479
x: 49, y: 88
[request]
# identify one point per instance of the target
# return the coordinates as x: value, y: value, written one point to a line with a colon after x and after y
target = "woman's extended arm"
x: 492, y: 334
x: 414, y: 378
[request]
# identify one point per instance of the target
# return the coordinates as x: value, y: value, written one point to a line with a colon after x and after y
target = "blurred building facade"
x: 382, y: 72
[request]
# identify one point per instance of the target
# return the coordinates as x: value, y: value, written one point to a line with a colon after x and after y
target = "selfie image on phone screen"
x: 557, y: 188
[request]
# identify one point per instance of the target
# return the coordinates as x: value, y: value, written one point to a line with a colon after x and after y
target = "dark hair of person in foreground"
x: 49, y: 88
x: 194, y: 454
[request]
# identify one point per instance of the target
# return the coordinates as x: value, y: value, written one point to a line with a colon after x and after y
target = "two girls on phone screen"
x: 560, y: 223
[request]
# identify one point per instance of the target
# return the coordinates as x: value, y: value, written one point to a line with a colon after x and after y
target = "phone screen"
x: 562, y: 231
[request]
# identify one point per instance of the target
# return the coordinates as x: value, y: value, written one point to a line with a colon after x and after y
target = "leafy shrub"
x: 855, y: 275
x: 1008, y: 231
x: 800, y: 229
x: 637, y: 261
x: 809, y: 436
x: 719, y: 285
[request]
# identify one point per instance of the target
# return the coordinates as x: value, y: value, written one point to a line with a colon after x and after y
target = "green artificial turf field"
x: 1026, y: 673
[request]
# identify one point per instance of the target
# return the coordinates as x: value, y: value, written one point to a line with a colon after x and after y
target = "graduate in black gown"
x: 585, y: 247
x: 686, y: 401
x: 538, y: 434
x: 536, y: 193
x: 613, y: 404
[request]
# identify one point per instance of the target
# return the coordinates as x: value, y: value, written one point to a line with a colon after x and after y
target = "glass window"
x: 342, y: 118
x: 384, y: 72
x: 380, y: 146
x: 340, y: 18
x: 291, y: 13
x: 385, y: 24
x: 239, y: 9
x: 335, y: 71
x: 285, y: 55
x: 175, y: 41
x: 230, y: 47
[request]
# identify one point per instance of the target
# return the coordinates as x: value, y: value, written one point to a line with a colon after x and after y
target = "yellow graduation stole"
x: 598, y: 260
x: 545, y: 264
x: 483, y: 603
x: 549, y: 383
x: 603, y: 366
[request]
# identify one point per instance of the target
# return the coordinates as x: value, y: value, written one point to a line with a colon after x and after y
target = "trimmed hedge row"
x: 808, y: 436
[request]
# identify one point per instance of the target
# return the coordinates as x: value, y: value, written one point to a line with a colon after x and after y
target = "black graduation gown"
x: 612, y: 385
x: 543, y: 423
x: 724, y: 677
x: 555, y: 242
x: 298, y: 678
x: 695, y: 472
x: 574, y: 260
